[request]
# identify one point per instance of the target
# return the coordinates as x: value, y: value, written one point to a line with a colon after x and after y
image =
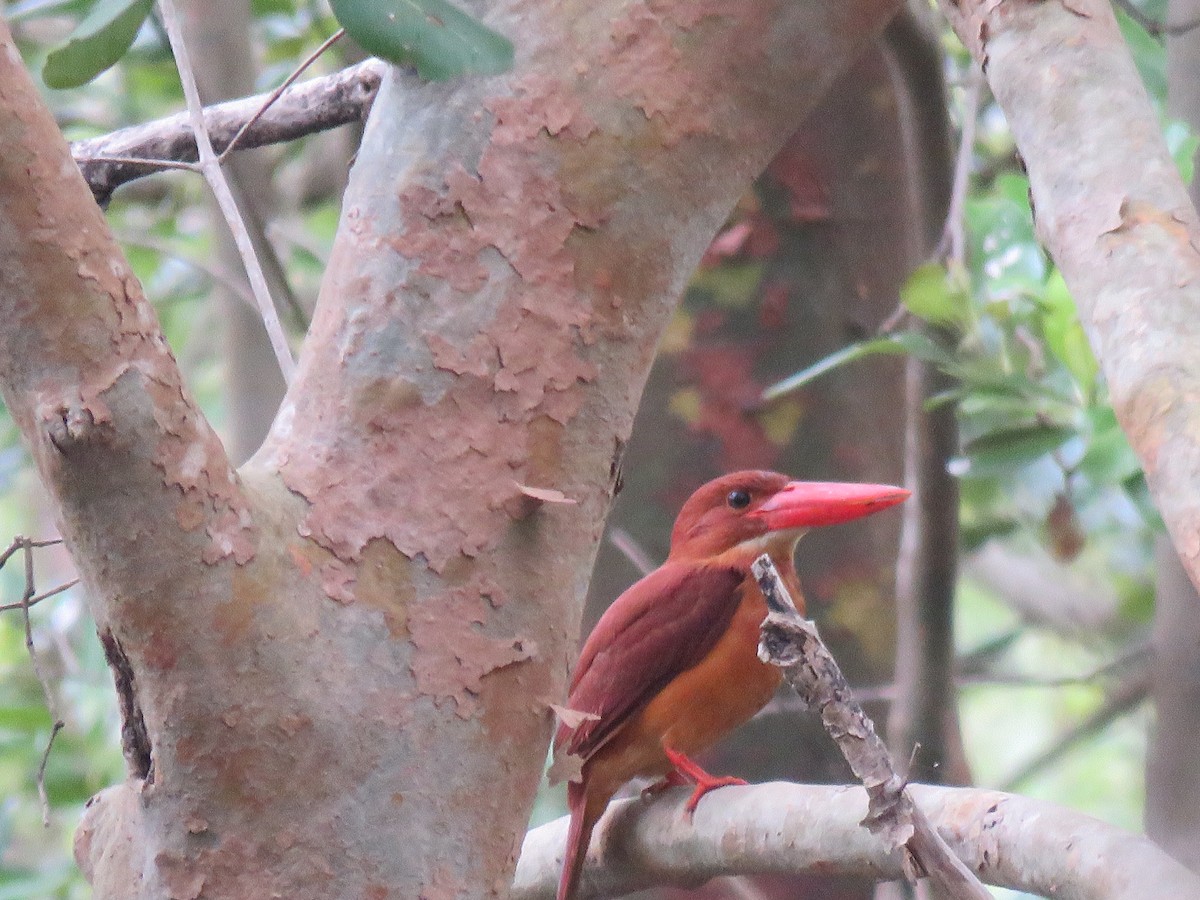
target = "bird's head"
x: 765, y: 512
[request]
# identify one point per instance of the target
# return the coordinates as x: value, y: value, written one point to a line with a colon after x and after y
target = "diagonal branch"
x: 791, y: 642
x: 210, y: 165
x: 319, y: 104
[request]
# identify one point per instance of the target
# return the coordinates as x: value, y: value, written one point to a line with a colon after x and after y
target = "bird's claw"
x: 689, y: 770
x: 668, y: 781
x: 703, y: 787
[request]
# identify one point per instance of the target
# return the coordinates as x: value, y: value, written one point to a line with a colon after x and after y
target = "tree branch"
x: 318, y: 104
x: 1111, y: 209
x: 1008, y: 840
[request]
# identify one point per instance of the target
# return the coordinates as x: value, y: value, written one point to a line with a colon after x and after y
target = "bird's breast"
x: 726, y: 688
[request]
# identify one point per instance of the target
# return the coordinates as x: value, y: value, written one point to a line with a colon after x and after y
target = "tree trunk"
x: 1172, y: 765
x: 335, y: 664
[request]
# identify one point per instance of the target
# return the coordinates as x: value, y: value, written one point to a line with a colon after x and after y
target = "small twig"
x: 28, y: 598
x: 20, y: 543
x: 34, y: 601
x: 278, y: 92
x: 953, y: 245
x: 220, y: 188
x: 1125, y: 698
x: 631, y: 550
x: 790, y: 642
x: 220, y: 275
x: 144, y: 162
x: 1152, y: 26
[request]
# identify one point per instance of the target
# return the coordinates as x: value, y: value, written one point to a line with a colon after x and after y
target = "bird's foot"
x: 670, y: 780
x: 688, y: 769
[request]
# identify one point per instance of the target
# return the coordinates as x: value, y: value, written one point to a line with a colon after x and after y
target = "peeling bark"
x: 343, y: 655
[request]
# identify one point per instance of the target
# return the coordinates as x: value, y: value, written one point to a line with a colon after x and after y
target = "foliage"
x: 1042, y: 459
x: 1043, y: 468
x: 434, y: 36
x: 98, y: 41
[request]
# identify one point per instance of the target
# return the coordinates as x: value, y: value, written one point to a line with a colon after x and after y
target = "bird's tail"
x: 586, y: 809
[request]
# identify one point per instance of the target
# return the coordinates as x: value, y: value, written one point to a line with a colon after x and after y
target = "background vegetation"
x: 1056, y: 595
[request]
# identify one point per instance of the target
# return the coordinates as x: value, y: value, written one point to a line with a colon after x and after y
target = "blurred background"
x: 877, y: 308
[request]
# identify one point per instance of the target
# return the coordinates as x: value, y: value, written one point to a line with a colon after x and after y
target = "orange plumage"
x: 673, y: 666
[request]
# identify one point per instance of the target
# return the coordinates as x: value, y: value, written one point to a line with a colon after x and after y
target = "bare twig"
x: 34, y: 601
x: 140, y: 162
x: 791, y: 642
x: 631, y: 550
x: 220, y: 188
x: 316, y: 105
x: 953, y: 244
x: 234, y: 283
x: 278, y: 92
x: 28, y: 598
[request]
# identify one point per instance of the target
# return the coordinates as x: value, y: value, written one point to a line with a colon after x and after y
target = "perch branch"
x: 791, y: 642
x: 1010, y: 841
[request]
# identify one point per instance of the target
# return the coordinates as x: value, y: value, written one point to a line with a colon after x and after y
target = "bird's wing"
x: 659, y: 628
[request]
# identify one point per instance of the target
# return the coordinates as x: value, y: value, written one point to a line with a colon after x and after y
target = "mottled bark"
x: 339, y: 662
x: 1111, y: 209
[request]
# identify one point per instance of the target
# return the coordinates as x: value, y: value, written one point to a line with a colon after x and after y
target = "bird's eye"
x: 738, y: 499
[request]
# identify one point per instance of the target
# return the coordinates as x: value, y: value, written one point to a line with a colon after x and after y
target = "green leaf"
x: 936, y: 296
x: 1149, y: 55
x: 731, y: 285
x: 437, y: 38
x: 909, y: 342
x: 1006, y: 450
x: 1182, y: 143
x: 1065, y: 335
x: 97, y: 42
x: 1109, y: 460
x: 27, y: 10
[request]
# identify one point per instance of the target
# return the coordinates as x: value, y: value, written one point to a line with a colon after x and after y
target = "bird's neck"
x: 779, y: 545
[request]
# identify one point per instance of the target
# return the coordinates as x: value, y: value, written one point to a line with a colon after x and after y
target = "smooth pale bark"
x: 1111, y: 209
x: 1172, y: 764
x: 1008, y: 841
x: 335, y: 667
